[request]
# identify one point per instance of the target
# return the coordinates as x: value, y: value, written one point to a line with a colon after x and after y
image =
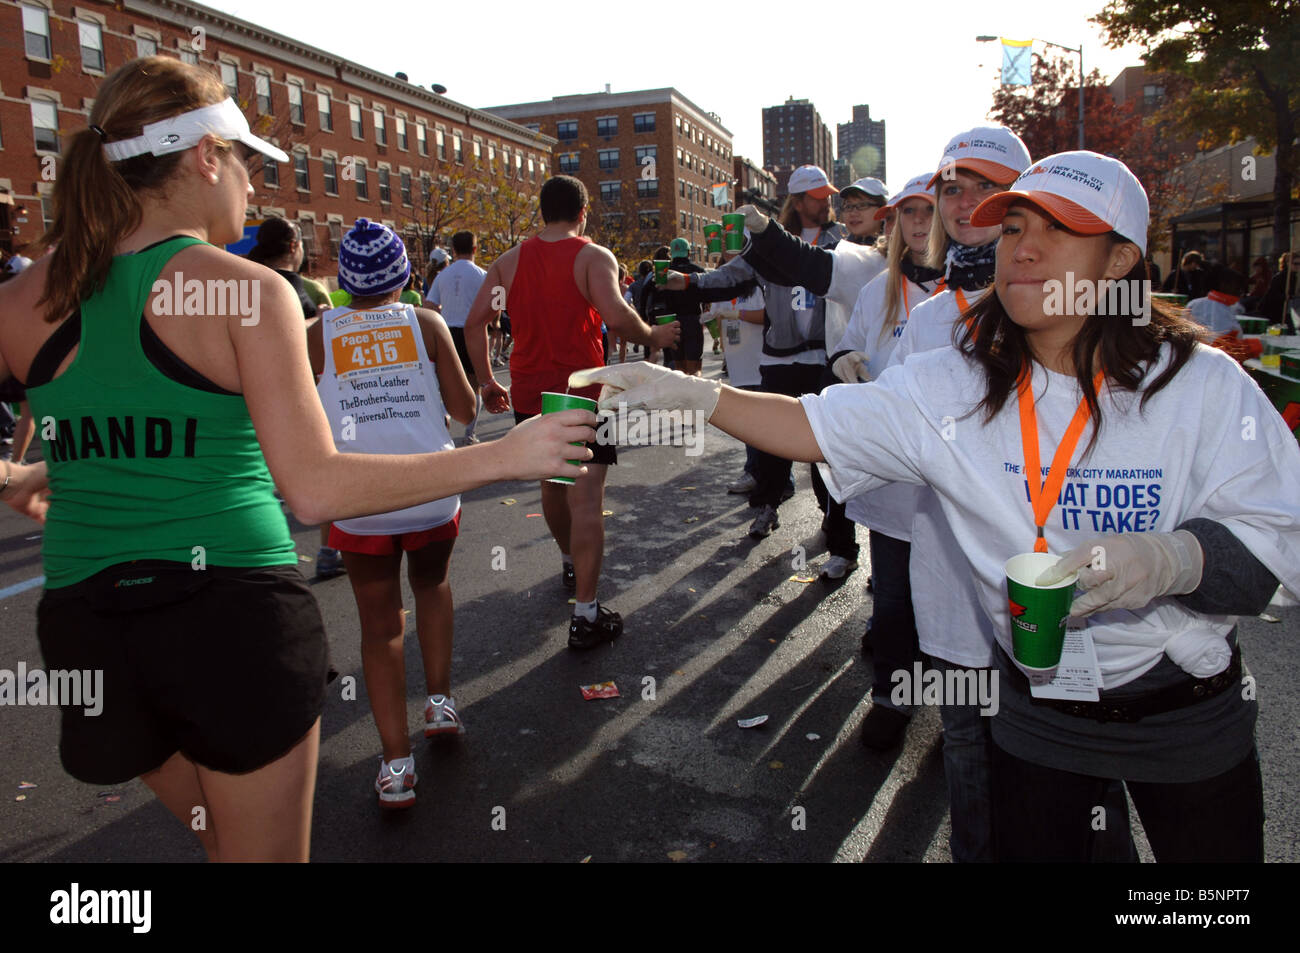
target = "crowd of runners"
x: 908, y: 353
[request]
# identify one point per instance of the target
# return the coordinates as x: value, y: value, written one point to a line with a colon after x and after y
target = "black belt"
x: 1193, y: 691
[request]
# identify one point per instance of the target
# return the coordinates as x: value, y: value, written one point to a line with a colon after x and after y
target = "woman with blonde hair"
x: 168, y: 560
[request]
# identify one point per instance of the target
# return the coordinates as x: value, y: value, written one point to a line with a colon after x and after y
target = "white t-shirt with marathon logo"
x: 454, y: 289
x: 380, y: 392
x: 1208, y: 445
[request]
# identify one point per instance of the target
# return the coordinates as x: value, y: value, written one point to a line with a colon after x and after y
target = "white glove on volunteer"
x: 755, y: 220
x: 650, y: 386
x: 851, y: 368
x: 1139, y: 567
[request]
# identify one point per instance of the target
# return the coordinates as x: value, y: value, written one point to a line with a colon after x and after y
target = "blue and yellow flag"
x: 1017, y: 56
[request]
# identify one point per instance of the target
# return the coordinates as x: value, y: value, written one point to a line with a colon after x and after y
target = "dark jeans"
x: 841, y: 532
x: 1044, y: 814
x: 892, y: 626
x: 773, y: 473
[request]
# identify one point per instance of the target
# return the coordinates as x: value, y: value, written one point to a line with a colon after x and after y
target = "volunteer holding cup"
x: 1170, y: 508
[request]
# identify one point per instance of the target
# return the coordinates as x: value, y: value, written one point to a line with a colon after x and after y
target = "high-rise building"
x: 861, y: 144
x: 794, y: 135
x: 650, y: 160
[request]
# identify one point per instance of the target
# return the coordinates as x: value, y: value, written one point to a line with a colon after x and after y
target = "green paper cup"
x: 1038, y: 614
x: 713, y: 235
x: 1253, y: 325
x: 666, y: 319
x: 661, y: 272
x: 554, y: 402
x: 733, y: 231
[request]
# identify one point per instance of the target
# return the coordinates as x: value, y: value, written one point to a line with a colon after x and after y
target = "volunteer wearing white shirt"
x: 1218, y: 311
x: 452, y: 293
x: 878, y: 320
x: 1097, y: 437
x: 741, y: 323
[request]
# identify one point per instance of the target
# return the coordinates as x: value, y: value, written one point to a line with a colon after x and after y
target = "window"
x: 534, y: 126
x: 400, y: 123
x: 492, y: 156
x: 36, y: 32
x: 323, y: 110
x: 381, y: 131
x: 363, y: 187
x: 47, y: 210
x: 354, y: 116
x: 270, y: 173
x: 607, y: 126
x: 404, y: 182
x: 457, y: 148
x: 607, y: 158
x: 92, y: 45
x: 308, y: 229
x: 478, y: 153
x: 647, y: 188
x: 262, y: 85
x: 146, y: 46
x: 679, y: 157
x: 505, y: 160
x: 45, y: 124
x: 230, y: 78
x: 649, y: 221
x: 440, y: 140
x: 569, y: 162
x: 330, y: 165
x: 1152, y: 95
x: 532, y: 170
x: 683, y: 220
x: 421, y: 139
x: 188, y: 55
x: 385, y: 191
x: 296, y: 114
x: 679, y: 123
x: 681, y: 188
x: 611, y: 192
x: 643, y: 122
x: 336, y: 236
x: 566, y: 130
x: 646, y: 152
x: 301, y: 177
x: 519, y: 165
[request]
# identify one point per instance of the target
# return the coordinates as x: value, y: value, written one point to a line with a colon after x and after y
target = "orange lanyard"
x: 1042, y: 496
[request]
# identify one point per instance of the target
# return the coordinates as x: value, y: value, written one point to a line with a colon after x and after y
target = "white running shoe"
x: 440, y: 717
x: 837, y: 567
x: 396, y: 782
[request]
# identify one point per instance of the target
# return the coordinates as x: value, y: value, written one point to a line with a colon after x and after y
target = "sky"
x: 926, y: 76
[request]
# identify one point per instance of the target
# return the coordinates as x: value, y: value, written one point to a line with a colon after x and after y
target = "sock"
x: 586, y: 610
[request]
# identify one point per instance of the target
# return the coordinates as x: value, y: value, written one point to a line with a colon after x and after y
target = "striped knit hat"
x: 372, y: 260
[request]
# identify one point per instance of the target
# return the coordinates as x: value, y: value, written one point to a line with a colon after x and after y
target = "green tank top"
x: 143, y: 467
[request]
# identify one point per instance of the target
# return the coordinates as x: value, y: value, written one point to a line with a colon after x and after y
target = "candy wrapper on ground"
x: 599, y: 690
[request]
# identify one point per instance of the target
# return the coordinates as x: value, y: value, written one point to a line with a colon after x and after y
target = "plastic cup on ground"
x: 661, y: 273
x: 733, y: 231
x: 1038, y: 614
x: 551, y: 403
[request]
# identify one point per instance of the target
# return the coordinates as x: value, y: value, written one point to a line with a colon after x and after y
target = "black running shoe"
x: 587, y: 635
x: 569, y: 578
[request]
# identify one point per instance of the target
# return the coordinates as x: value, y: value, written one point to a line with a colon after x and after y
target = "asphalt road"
x: 714, y: 623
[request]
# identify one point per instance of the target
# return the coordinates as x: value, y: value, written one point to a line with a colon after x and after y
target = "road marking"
x: 21, y: 587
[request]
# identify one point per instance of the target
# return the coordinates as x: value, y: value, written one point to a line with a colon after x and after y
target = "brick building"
x: 649, y: 159
x: 754, y: 185
x: 362, y: 143
x: 860, y: 143
x: 794, y: 135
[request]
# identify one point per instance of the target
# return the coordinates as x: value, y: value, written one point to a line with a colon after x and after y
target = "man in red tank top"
x: 557, y: 287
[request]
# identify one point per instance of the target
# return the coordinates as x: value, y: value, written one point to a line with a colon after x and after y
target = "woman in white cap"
x: 1106, y: 432
x: 877, y: 323
x: 168, y: 561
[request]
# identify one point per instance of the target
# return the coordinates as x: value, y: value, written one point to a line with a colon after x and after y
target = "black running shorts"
x: 226, y: 665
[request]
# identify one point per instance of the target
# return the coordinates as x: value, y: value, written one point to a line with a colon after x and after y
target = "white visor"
x: 178, y: 133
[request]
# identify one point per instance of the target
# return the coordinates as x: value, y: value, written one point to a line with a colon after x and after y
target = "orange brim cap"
x: 884, y: 210
x: 822, y: 191
x: 993, y: 171
x: 1070, y: 214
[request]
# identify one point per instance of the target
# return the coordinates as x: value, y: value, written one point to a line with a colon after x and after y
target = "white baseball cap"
x: 185, y: 131
x: 869, y: 186
x: 1086, y: 192
x: 438, y: 255
x: 917, y: 187
x: 994, y: 152
x: 811, y: 180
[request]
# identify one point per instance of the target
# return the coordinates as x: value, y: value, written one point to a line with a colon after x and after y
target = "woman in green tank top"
x: 177, y: 379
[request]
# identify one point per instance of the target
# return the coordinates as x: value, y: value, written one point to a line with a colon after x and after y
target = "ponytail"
x: 96, y: 201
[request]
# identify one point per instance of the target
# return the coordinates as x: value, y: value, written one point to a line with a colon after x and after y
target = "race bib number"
x: 733, y: 333
x: 369, y: 350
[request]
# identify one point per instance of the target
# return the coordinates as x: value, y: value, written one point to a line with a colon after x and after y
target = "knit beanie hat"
x: 372, y: 260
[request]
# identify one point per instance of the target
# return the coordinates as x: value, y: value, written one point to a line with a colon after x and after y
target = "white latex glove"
x: 851, y: 368
x: 755, y: 220
x: 650, y: 386
x: 1132, y: 569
